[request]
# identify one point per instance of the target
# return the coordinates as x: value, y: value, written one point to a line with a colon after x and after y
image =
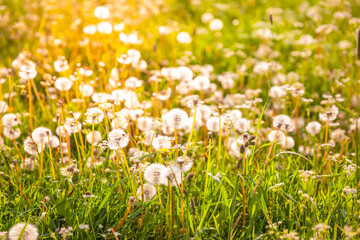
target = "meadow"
x: 179, y: 119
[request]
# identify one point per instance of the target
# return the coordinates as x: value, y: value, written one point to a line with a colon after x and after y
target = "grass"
x: 305, y: 190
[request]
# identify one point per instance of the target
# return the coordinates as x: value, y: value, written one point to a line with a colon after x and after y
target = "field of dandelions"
x: 179, y: 119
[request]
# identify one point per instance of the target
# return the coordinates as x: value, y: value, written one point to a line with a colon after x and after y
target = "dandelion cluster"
x: 222, y: 119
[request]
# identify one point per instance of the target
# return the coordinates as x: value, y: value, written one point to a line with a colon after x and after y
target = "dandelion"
x: 288, y: 143
x: 212, y: 124
x: 3, y: 107
x: 71, y: 126
x: 94, y: 115
x: 41, y: 135
x: 313, y: 128
x: 161, y: 142
x: 86, y: 90
x: 104, y: 27
x: 97, y: 137
x: 10, y: 120
x: 280, y: 136
x: 63, y: 84
x: 176, y: 118
x: 207, y: 17
x: 11, y: 133
x: 148, y: 194
x: 283, y: 122
x: 101, y: 12
x: 61, y: 65
x: 329, y: 115
x: 183, y: 37
x: 84, y: 226
x: 338, y: 135
x: 29, y: 164
x: 27, y: 230
x: 216, y: 24
x: 54, y: 142
x: 156, y: 174
x: 200, y: 83
x: 117, y: 139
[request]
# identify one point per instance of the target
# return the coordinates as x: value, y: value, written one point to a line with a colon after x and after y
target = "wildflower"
x: 12, y: 133
x: 212, y: 124
x: 94, y: 115
x: 30, y: 146
x: 276, y: 186
x: 329, y: 115
x: 200, y: 83
x: 173, y: 175
x: 54, y: 141
x: 216, y: 25
x: 117, y: 139
x: 71, y: 126
x: 65, y: 232
x: 10, y: 120
x: 29, y: 233
x: 119, y: 122
x: 306, y: 174
x: 29, y: 164
x: 183, y: 37
x: 104, y: 27
x: 313, y: 128
x: 149, y: 192
x: 338, y: 135
x: 283, y: 122
x: 101, y: 12
x: 288, y: 143
x: 183, y: 163
x: 207, y: 17
x: 3, y: 107
x: 100, y: 97
x: 156, y: 174
x: 84, y: 226
x: 63, y: 84
x: 41, y: 135
x: 86, y: 90
x: 61, y: 65
x: 97, y: 137
x: 161, y: 142
x: 176, y: 118
x: 321, y: 227
x: 280, y: 136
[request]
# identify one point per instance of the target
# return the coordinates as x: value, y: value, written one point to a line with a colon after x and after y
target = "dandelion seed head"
x: 10, y: 120
x: 30, y: 232
x: 97, y: 137
x: 156, y: 174
x: 41, y: 135
x: 149, y: 192
x: 313, y: 128
x: 94, y: 115
x: 176, y: 118
x: 101, y: 12
x: 63, y: 84
x: 12, y: 133
x: 117, y: 139
x: 283, y: 122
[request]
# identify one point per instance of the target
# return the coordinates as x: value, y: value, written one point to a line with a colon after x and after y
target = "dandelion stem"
x: 267, y: 159
x: 51, y: 159
x: 30, y: 105
x: 92, y: 150
x: 18, y: 150
x: 192, y: 129
x: 219, y: 147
